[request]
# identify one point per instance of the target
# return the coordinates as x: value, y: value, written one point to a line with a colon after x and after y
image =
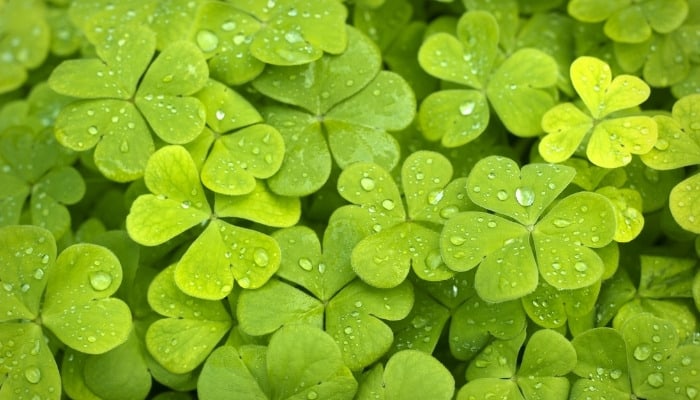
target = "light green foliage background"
x: 350, y: 199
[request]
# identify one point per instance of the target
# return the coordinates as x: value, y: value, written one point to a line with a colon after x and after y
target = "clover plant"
x: 350, y: 199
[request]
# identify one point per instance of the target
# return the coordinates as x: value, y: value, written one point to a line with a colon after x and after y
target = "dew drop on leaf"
x: 686, y: 361
x: 220, y: 115
x: 358, y: 304
x: 457, y: 240
x: 581, y: 266
x: 467, y: 108
x: 561, y: 223
x: 38, y: 274
x: 91, y: 339
x: 691, y: 392
x: 448, y: 212
x: 124, y: 147
x: 185, y: 204
x: 655, y: 379
x: 525, y: 196
x: 321, y: 268
x: 434, y: 197
x: 388, y: 204
x: 100, y: 280
x: 92, y: 130
x: 207, y: 40
x: 260, y: 257
x: 502, y: 195
x: 305, y: 264
x: 367, y: 184
x: 642, y: 352
x: 32, y: 375
x: 228, y: 26
x: 615, y: 374
x: 312, y: 395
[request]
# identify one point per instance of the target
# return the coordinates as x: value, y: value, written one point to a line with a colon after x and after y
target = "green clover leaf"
x: 666, y: 277
x: 422, y: 328
x: 300, y: 362
x: 611, y: 141
x: 402, y: 242
x: 678, y: 144
x: 631, y: 22
x: 602, y: 365
x: 628, y: 212
x: 261, y: 206
x: 472, y: 59
x: 550, y: 308
x: 34, y: 167
x: 684, y: 202
x: 547, y: 358
x: 117, y: 117
x: 25, y: 43
x: 382, y: 23
x: 404, y: 377
x: 355, y: 105
x: 192, y: 327
x: 222, y: 251
x: 502, y: 248
x: 655, y: 359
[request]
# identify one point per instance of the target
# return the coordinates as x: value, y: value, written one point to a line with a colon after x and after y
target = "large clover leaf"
x: 222, y: 251
x: 608, y: 141
x: 118, y: 114
x: 515, y: 87
x: 300, y: 362
x: 547, y: 358
x: 502, y: 246
x: 402, y: 240
x: 34, y: 167
x: 346, y: 97
x: 628, y: 21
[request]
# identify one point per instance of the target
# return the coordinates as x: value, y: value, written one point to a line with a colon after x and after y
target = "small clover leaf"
x: 684, y: 202
x: 611, y: 140
x: 28, y: 365
x: 659, y: 368
x: 472, y: 59
x: 261, y: 206
x: 678, y: 144
x: 547, y: 358
x: 192, y: 327
x: 300, y: 362
x: 602, y: 364
x: 382, y: 23
x: 117, y: 117
x: 78, y: 308
x: 550, y: 308
x: 422, y: 328
x: 404, y: 378
x: 628, y: 212
x: 666, y: 277
x: 356, y: 105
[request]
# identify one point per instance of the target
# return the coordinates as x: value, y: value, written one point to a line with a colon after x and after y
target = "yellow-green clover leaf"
x: 345, y: 97
x: 402, y: 241
x: 116, y: 117
x: 301, y: 362
x: 404, y: 377
x: 516, y: 87
x: 191, y: 328
x: 684, y: 202
x: 502, y: 246
x: 608, y: 141
x: 602, y: 365
x: 678, y: 144
x: 221, y: 252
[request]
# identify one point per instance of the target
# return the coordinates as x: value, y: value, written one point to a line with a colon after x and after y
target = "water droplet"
x: 186, y: 204
x: 656, y: 338
x: 388, y: 204
x: 434, y: 197
x: 457, y: 240
x: 685, y: 361
x: 100, y: 280
x: 321, y: 268
x: 691, y: 392
x: 228, y: 26
x: 502, y: 195
x: 561, y: 223
x: 367, y: 184
x: 260, y: 257
x: 124, y: 146
x: 581, y: 266
x: 39, y: 274
x: 615, y: 374
x: 347, y: 330
x: 207, y: 40
x: 358, y: 304
x: 91, y: 339
x: 448, y: 212
x: 312, y: 395
x: 244, y: 282
x: 661, y: 144
x: 168, y: 78
x: 524, y: 196
x: 220, y: 115
x: 433, y: 260
x: 655, y: 379
x: 293, y: 37
x: 491, y: 224
x: 32, y: 375
x: 467, y: 108
x: 92, y: 130
x: 642, y: 352
x: 305, y: 264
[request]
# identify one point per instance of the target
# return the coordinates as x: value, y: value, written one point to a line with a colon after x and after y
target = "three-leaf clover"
x: 547, y: 358
x: 606, y: 139
x: 300, y: 362
x: 345, y: 98
x: 221, y: 252
x: 68, y: 295
x: 34, y: 166
x: 502, y: 244
x: 515, y: 86
x: 116, y: 115
x: 239, y: 39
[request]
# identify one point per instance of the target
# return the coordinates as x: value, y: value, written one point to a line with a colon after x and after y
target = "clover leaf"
x: 353, y: 102
x: 628, y: 212
x: 25, y: 41
x: 666, y: 277
x: 550, y: 308
x: 402, y: 240
x: 422, y: 328
x: 631, y: 22
x: 221, y: 252
x: 237, y: 159
x: 684, y: 202
x: 609, y: 141
x: 602, y: 365
x: 516, y: 87
x: 191, y: 329
x: 33, y: 167
x: 300, y: 362
x: 116, y: 117
x: 502, y: 248
x: 547, y: 358
x: 404, y: 376
x: 678, y: 144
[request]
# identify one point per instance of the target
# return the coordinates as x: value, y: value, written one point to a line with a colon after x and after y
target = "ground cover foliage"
x: 360, y: 199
